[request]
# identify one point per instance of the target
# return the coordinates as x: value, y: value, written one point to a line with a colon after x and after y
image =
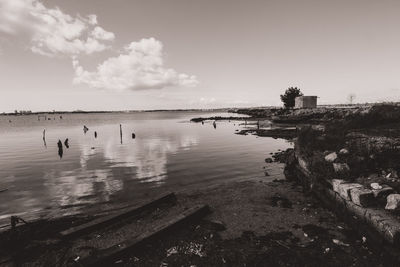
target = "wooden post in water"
x: 120, y: 132
x: 44, y: 137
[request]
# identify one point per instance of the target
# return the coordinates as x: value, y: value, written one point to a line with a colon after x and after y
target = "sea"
x: 131, y: 157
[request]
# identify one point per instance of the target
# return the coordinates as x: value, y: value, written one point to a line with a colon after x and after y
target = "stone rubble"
x: 393, y: 202
x: 331, y: 157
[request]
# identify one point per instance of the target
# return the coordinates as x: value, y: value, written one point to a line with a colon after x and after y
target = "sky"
x: 173, y: 54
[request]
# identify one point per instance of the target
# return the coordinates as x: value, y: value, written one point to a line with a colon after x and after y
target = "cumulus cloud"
x: 140, y: 66
x: 101, y: 34
x: 52, y: 31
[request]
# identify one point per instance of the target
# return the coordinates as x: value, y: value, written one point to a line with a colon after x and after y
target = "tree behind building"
x: 290, y: 94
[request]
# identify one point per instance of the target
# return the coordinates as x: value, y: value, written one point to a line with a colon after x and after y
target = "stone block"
x: 362, y: 197
x: 376, y: 186
x: 344, y: 189
x: 331, y: 157
x: 393, y: 202
x: 336, y: 183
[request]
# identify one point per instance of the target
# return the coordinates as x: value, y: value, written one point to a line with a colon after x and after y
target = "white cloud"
x: 139, y: 67
x: 53, y: 32
x: 92, y: 19
x: 100, y: 34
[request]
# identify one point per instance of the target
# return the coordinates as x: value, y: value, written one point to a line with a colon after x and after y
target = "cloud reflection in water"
x: 149, y: 157
x: 104, y: 169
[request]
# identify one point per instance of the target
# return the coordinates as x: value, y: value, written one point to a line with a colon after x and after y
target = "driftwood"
x: 107, y: 220
x: 104, y: 257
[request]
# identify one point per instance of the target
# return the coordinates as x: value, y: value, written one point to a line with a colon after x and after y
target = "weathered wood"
x: 107, y: 220
x: 105, y: 256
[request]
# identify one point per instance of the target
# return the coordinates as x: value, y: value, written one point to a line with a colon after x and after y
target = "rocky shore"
x: 349, y: 159
x: 219, y: 118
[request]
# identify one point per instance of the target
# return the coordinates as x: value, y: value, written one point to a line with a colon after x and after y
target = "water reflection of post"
x: 44, y: 137
x: 60, y: 148
x: 66, y: 143
x: 120, y: 132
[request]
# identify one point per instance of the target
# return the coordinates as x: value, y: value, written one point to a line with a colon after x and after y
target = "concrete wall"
x: 305, y: 102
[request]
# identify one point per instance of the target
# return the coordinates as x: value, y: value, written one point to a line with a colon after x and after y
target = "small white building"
x: 305, y: 102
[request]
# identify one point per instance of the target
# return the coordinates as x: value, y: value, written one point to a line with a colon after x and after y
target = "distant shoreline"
x: 121, y: 111
x: 227, y: 109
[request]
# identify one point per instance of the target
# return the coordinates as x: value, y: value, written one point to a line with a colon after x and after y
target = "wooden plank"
x: 105, y: 256
x: 107, y: 220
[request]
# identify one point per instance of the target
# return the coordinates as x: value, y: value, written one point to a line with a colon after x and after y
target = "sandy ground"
x: 268, y: 222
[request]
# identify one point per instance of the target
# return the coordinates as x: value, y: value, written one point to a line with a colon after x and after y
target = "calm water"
x: 169, y: 152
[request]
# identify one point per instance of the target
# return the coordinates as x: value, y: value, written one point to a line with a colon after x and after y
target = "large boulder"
x: 336, y: 183
x: 345, y: 189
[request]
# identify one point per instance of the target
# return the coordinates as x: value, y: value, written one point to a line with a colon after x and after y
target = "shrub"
x: 290, y: 94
